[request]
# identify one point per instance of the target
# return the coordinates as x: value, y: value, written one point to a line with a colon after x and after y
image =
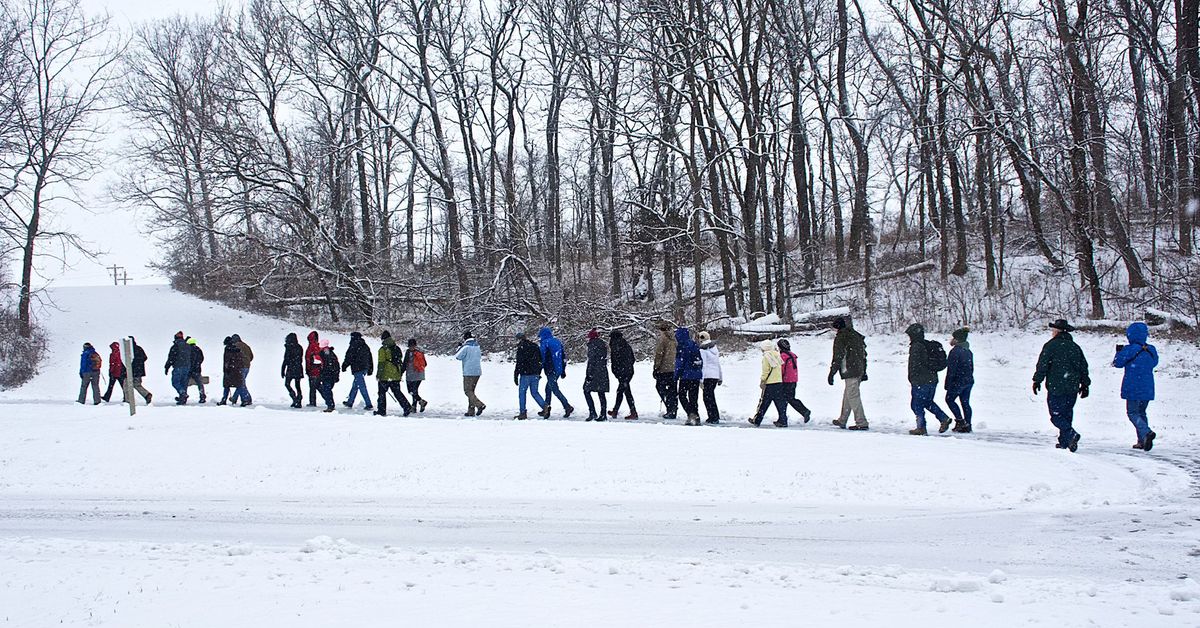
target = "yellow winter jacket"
x: 772, y: 368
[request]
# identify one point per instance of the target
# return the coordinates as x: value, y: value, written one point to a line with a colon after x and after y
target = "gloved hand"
x: 864, y: 377
x: 1083, y: 391
x: 720, y: 382
x: 1037, y: 387
x: 831, y: 377
x: 563, y: 376
x: 515, y: 382
x: 166, y: 370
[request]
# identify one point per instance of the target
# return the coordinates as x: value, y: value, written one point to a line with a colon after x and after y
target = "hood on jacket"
x: 682, y: 335
x: 114, y: 346
x: 291, y: 339
x: 355, y: 336
x: 916, y: 331
x: 470, y: 341
x: 228, y: 341
x: 1138, y: 333
x: 708, y: 344
x: 615, y: 335
x: 545, y: 334
x: 236, y: 338
x: 313, y: 336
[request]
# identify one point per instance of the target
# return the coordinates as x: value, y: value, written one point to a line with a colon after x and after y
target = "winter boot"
x: 480, y: 408
x: 918, y: 431
x: 149, y: 397
x: 1147, y: 444
x: 632, y: 416
x: 591, y: 417
x: 470, y: 411
x: 859, y: 428
x: 712, y: 421
x: 181, y: 400
x: 378, y: 413
x: 347, y: 404
x: 780, y: 423
x: 807, y: 415
x: 423, y: 404
x: 246, y: 403
x: 959, y: 427
x: 755, y: 421
x: 568, y: 411
x: 203, y: 398
x: 328, y: 409
x: 1074, y: 446
x: 944, y: 426
x: 840, y: 423
x: 522, y: 416
x: 1138, y: 446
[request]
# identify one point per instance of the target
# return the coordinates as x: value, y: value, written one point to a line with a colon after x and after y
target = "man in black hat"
x: 1064, y: 369
x: 850, y: 362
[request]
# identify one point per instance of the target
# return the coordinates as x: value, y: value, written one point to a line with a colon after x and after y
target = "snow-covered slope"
x: 206, y: 516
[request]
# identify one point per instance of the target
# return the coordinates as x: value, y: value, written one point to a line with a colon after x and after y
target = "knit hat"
x: 705, y: 336
x: 178, y: 334
x: 191, y: 341
x: 468, y: 335
x: 324, y: 344
x: 592, y: 334
x: 412, y: 342
x: 766, y: 345
x: 960, y: 335
x: 839, y: 323
x: 385, y: 335
x: 520, y: 335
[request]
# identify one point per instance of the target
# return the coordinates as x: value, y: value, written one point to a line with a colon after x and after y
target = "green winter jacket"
x: 1062, y: 366
x: 387, y: 370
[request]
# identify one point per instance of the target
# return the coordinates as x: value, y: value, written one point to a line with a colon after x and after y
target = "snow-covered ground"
x: 219, y: 516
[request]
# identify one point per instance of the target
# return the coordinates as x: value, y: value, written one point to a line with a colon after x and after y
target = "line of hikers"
x: 685, y: 371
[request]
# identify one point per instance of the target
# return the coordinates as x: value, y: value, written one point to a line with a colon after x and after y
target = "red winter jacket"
x: 312, y: 356
x: 116, y: 366
x: 790, y: 376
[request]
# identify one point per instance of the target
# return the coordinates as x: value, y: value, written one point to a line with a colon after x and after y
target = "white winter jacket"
x: 712, y: 360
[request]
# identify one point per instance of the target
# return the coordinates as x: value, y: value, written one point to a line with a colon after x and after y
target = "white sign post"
x: 127, y: 347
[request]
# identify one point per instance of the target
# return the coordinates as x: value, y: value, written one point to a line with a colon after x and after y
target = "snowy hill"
x: 205, y: 516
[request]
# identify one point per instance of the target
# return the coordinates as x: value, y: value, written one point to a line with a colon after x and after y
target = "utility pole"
x: 114, y: 268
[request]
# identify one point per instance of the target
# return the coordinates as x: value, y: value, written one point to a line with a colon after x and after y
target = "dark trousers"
x: 393, y: 387
x: 689, y: 397
x: 313, y: 384
x: 327, y: 392
x: 114, y: 382
x: 710, y: 399
x: 1136, y: 410
x: 664, y: 383
x: 587, y: 395
x: 413, y: 389
x: 922, y: 400
x: 293, y: 387
x: 1062, y: 416
x: 623, y: 392
x: 773, y: 394
x: 789, y: 392
x: 961, y: 396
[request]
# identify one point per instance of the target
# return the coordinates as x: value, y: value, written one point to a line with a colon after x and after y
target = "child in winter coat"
x: 1138, y: 358
x: 771, y: 383
x: 414, y: 374
x: 595, y: 378
x: 554, y: 364
x: 712, y: 376
x: 791, y: 377
x: 292, y: 369
x: 330, y: 373
x: 89, y: 373
x: 960, y: 378
x: 116, y: 372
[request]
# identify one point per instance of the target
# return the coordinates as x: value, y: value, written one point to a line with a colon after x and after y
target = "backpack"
x: 935, y: 356
x: 397, y: 357
x: 95, y: 361
x: 418, y: 363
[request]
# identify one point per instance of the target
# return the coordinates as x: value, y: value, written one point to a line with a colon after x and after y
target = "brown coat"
x: 664, y: 353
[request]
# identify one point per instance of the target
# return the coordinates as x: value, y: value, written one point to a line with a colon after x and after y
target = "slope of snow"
x: 244, y: 516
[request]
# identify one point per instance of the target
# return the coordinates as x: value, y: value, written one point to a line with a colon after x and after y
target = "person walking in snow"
x: 389, y: 368
x: 312, y: 366
x: 527, y: 373
x: 90, y: 363
x: 471, y: 357
x: 770, y: 382
x: 1138, y: 358
x: 358, y: 360
x: 116, y: 372
x: 194, y: 374
x: 595, y: 376
x: 292, y: 369
x: 960, y: 378
x: 1064, y: 369
x: 179, y: 365
x: 689, y: 370
x: 247, y: 358
x: 554, y: 365
x: 791, y: 378
x: 849, y: 363
x: 925, y: 359
x: 621, y: 361
x: 414, y: 373
x: 233, y: 366
x: 139, y: 370
x: 712, y: 377
x: 664, y: 371
x: 331, y: 372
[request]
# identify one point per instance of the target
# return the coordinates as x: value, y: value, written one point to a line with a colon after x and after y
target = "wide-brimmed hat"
x: 1062, y: 325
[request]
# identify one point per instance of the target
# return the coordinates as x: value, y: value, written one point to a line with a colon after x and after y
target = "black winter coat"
x: 180, y: 356
x: 232, y: 364
x: 358, y: 356
x: 919, y: 373
x: 849, y: 354
x: 197, y: 359
x: 139, y: 361
x: 596, y: 377
x: 293, y: 359
x: 1062, y: 366
x: 331, y: 370
x: 529, y: 359
x: 621, y: 357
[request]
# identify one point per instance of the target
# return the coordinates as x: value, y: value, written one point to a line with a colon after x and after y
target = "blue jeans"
x: 179, y: 380
x: 359, y: 385
x: 1136, y: 409
x: 242, y: 393
x: 529, y: 384
x: 1062, y: 415
x: 922, y: 400
x: 963, y: 396
x: 552, y: 391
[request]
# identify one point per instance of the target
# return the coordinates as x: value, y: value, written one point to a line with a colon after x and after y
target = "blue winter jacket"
x: 689, y: 364
x: 85, y: 361
x: 470, y: 355
x: 1138, y: 358
x: 554, y: 358
x: 960, y: 368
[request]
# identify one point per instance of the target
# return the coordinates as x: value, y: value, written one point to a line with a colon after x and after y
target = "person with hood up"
x: 471, y: 357
x: 330, y: 374
x: 923, y: 366
x: 770, y: 381
x: 292, y: 369
x: 247, y: 358
x: 139, y: 370
x: 116, y: 372
x: 312, y: 366
x: 849, y: 363
x: 232, y: 367
x: 664, y: 371
x: 689, y: 370
x: 621, y: 360
x: 358, y: 360
x: 526, y: 373
x: 791, y: 378
x: 960, y: 378
x: 90, y: 363
x: 712, y: 376
x: 554, y: 364
x: 388, y: 371
x: 1064, y: 369
x: 595, y: 376
x: 194, y: 375
x: 414, y: 373
x: 1138, y: 358
x: 179, y: 365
